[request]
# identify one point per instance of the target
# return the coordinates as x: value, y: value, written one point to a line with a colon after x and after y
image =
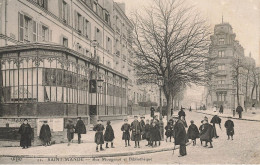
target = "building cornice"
x: 123, y: 14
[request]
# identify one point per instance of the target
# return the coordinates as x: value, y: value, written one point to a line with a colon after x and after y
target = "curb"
x: 227, y: 117
x: 97, y: 155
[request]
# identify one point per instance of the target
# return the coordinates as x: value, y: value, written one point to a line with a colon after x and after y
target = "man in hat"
x: 26, y: 134
x: 182, y: 113
x: 45, y: 134
x: 99, y: 137
x: 180, y: 136
x: 80, y: 128
x: 229, y: 125
x: 216, y: 120
x: 126, y: 132
x: 239, y: 110
x: 136, y: 131
x: 152, y: 111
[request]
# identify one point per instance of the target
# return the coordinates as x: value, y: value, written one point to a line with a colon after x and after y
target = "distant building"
x: 228, y: 55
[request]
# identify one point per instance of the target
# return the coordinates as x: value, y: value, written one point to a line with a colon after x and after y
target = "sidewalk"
x: 250, y: 115
x: 87, y: 149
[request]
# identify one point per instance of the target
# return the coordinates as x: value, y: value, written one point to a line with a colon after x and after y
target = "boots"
x: 97, y: 149
x: 107, y: 145
x: 112, y: 145
x: 125, y: 143
x: 101, y: 149
x: 211, y: 146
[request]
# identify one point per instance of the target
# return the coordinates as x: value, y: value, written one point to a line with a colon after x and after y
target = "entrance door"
x: 93, y: 114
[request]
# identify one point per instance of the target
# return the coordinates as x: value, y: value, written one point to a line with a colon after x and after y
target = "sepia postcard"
x: 129, y: 81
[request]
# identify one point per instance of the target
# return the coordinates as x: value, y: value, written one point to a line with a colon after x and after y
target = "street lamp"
x: 160, y: 84
x: 99, y: 84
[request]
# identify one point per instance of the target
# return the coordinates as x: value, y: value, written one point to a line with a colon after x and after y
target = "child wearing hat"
x: 147, y: 132
x: 169, y: 130
x: 126, y: 132
x: 99, y: 137
x: 109, y: 135
x: 70, y: 131
x: 142, y: 126
x: 45, y: 134
x: 193, y: 132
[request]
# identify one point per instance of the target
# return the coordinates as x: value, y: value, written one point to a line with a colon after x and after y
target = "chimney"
x: 122, y: 6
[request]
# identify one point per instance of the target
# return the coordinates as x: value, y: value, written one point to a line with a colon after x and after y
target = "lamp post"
x: 160, y: 83
x: 99, y: 84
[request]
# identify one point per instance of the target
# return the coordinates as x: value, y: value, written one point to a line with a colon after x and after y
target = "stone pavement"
x: 87, y: 149
x: 250, y: 115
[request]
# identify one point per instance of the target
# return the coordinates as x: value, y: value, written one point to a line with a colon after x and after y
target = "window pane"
x: 59, y: 94
x: 41, y: 94
x: 30, y: 77
x: 53, y: 94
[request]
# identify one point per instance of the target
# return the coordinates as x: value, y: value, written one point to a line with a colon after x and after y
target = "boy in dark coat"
x: 153, y: 132
x: 99, y: 137
x: 126, y: 132
x: 147, y: 132
x: 169, y: 131
x: 229, y: 125
x: 207, y: 133
x: 200, y: 130
x: 26, y: 133
x: 45, y: 134
x: 142, y: 126
x: 215, y: 120
x: 70, y: 131
x: 136, y: 131
x: 193, y: 132
x: 109, y: 135
x: 80, y: 129
x: 180, y: 136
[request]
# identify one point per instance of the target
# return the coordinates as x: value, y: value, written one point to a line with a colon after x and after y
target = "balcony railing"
x: 222, y: 72
x: 222, y: 86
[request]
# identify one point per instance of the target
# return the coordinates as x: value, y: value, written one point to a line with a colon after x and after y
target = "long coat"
x: 180, y: 136
x: 152, y: 111
x: 126, y: 131
x: 147, y: 132
x: 45, y: 133
x: 239, y: 109
x: 181, y: 113
x: 99, y: 137
x: 221, y: 109
x: 207, y: 133
x: 193, y: 132
x: 70, y: 131
x: 26, y: 135
x: 169, y: 130
x: 80, y: 127
x: 136, y: 131
x: 109, y: 134
x: 229, y: 125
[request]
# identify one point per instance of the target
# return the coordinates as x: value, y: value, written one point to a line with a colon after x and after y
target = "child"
x: 201, y: 128
x: 126, y: 132
x: 45, y: 134
x: 169, y: 131
x: 136, y: 131
x: 109, y: 135
x: 193, y: 132
x: 229, y: 124
x: 70, y: 131
x: 147, y: 130
x: 99, y: 137
x: 153, y: 135
x: 158, y: 134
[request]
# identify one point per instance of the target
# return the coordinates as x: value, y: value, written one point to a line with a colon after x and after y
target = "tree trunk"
x: 252, y: 92
x: 169, y: 103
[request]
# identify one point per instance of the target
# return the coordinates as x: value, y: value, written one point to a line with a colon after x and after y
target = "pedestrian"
x: 169, y: 131
x: 152, y: 111
x: 214, y: 108
x: 157, y: 134
x: 229, y: 125
x: 147, y: 131
x: 221, y: 109
x: 155, y: 119
x: 171, y: 111
x: 142, y: 126
x: 200, y: 130
x: 45, y: 134
x: 99, y: 137
x: 190, y: 108
x: 180, y: 137
x: 239, y: 110
x: 216, y: 120
x: 207, y: 133
x: 182, y: 113
x: 153, y: 133
x: 80, y: 129
x: 136, y: 132
x: 109, y: 135
x: 126, y: 132
x: 26, y: 134
x: 193, y: 132
x: 70, y: 131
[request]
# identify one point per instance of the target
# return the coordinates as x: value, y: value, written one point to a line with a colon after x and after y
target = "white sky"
x: 243, y: 15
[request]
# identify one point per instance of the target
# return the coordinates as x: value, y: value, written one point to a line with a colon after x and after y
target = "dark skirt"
x: 135, y: 137
x: 70, y: 135
x: 230, y: 131
x: 126, y: 136
x: 169, y: 133
x: 25, y: 141
x: 99, y: 138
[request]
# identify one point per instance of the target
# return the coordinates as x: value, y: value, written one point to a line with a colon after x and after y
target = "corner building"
x: 61, y: 59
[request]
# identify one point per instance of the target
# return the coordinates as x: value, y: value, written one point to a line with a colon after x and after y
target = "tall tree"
x: 170, y: 40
